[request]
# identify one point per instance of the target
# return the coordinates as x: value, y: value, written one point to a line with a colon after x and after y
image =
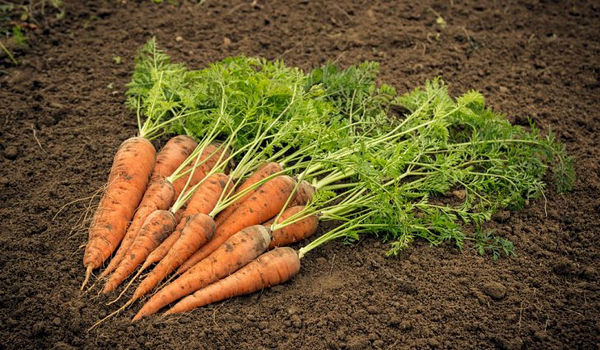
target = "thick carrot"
x: 128, y: 178
x: 294, y: 232
x: 209, y: 158
x: 174, y: 152
x: 156, y: 228
x: 198, y: 229
x: 236, y: 252
x: 202, y: 202
x: 303, y: 195
x: 271, y: 268
x: 260, y: 207
x: 262, y: 173
x: 158, y: 196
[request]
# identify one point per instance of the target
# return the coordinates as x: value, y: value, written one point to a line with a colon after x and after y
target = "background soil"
x: 530, y: 58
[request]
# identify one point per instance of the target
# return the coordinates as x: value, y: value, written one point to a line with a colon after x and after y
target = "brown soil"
x: 530, y: 58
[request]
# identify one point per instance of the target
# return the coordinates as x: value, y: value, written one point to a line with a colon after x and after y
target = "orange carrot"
x: 128, y: 178
x: 174, y: 152
x: 271, y: 268
x: 212, y: 153
x: 262, y: 173
x: 202, y: 202
x: 261, y: 206
x: 198, y: 229
x: 294, y: 232
x: 158, y: 196
x: 303, y: 195
x: 157, y: 226
x: 236, y: 252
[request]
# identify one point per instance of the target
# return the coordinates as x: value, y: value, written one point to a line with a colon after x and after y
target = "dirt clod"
x: 494, y: 289
x: 11, y: 152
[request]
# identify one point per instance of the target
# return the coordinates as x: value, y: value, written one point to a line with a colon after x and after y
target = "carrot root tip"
x: 88, y: 273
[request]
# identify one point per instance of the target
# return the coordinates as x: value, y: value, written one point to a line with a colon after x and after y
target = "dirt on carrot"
x: 549, y: 287
x: 267, y: 201
x: 235, y: 252
x: 126, y: 185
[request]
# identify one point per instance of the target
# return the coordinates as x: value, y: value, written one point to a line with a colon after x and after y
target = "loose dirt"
x: 63, y: 116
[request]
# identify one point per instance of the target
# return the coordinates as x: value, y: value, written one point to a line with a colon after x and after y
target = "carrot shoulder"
x: 127, y: 182
x: 271, y: 268
x: 262, y: 173
x: 304, y: 194
x: 236, y: 252
x: 170, y: 157
x: 265, y: 203
x: 155, y: 229
x: 295, y: 231
x: 210, y: 156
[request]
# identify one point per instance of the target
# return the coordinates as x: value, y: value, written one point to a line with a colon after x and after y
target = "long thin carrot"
x: 271, y: 268
x: 128, y: 178
x: 295, y: 231
x: 199, y: 229
x: 260, y: 207
x: 157, y: 226
x: 262, y: 173
x: 158, y: 196
x: 173, y: 153
x: 236, y: 252
x: 202, y: 202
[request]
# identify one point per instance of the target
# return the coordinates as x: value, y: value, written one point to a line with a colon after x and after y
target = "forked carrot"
x: 202, y: 202
x: 158, y: 196
x: 173, y: 153
x: 128, y: 179
x: 271, y: 268
x: 260, y: 207
x: 295, y: 231
x: 262, y: 173
x: 236, y: 252
x: 199, y: 229
x: 157, y: 226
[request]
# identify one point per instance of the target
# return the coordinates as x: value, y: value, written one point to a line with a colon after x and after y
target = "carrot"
x: 271, y: 268
x: 155, y: 229
x: 304, y: 193
x: 158, y: 196
x: 262, y: 173
x: 202, y: 202
x: 293, y: 232
x: 212, y: 153
x: 263, y: 205
x: 128, y: 178
x: 207, y: 195
x: 236, y: 252
x: 199, y: 229
x: 173, y: 153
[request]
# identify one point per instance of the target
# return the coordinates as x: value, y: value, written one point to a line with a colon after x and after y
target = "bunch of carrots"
x: 264, y: 152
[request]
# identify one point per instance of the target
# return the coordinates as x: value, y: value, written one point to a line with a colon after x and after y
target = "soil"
x: 63, y: 116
